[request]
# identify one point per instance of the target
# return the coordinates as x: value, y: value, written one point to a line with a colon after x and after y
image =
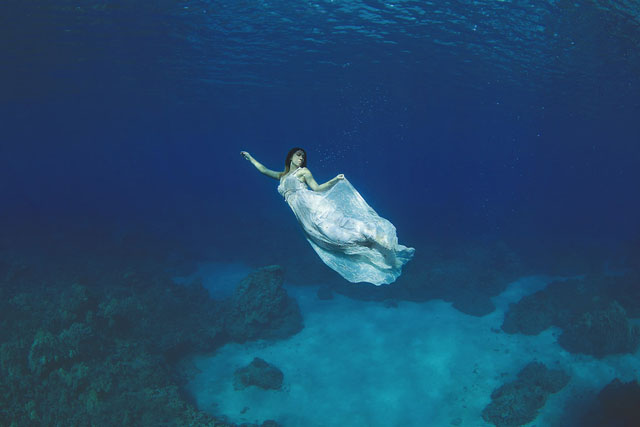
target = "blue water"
x: 460, y: 121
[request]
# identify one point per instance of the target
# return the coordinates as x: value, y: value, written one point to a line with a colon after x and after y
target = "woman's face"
x: 298, y: 158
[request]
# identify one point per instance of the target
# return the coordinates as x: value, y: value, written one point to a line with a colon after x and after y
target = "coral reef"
x: 517, y: 403
x: 98, y: 346
x: 260, y: 374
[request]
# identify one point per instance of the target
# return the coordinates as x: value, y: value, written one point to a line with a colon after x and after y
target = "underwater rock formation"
x: 593, y: 322
x: 261, y: 309
x: 618, y: 405
x: 517, y: 403
x: 260, y: 374
x: 64, y: 362
x: 553, y: 306
x: 101, y: 351
x: 601, y: 332
x: 70, y: 345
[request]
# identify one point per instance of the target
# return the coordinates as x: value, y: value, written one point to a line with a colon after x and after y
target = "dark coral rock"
x: 196, y: 323
x: 119, y: 314
x: 514, y: 405
x: 538, y: 375
x: 517, y: 403
x: 13, y: 364
x: 171, y: 320
x: 619, y: 404
x: 555, y: 305
x: 530, y: 316
x: 75, y: 303
x: 261, y: 308
x: 77, y: 341
x: 49, y: 351
x: 260, y: 374
x: 44, y: 353
x: 592, y: 321
x: 99, y: 353
x: 601, y: 332
x: 64, y: 374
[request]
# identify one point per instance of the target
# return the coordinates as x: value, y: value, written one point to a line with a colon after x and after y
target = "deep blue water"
x: 461, y: 121
x: 450, y: 117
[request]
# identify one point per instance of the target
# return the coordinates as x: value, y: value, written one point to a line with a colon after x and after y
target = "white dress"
x: 346, y: 232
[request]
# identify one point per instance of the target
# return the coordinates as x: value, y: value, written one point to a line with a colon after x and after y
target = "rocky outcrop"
x: 591, y: 318
x: 517, y: 403
x: 261, y: 309
x: 601, y: 332
x: 104, y: 355
x: 260, y: 374
x: 618, y: 404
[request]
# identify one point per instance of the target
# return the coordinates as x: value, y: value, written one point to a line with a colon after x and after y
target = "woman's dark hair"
x: 287, y: 161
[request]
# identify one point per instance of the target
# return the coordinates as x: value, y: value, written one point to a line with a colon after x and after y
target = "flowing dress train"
x: 347, y: 234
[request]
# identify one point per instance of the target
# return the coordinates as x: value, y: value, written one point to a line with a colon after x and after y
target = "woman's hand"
x: 246, y: 155
x: 339, y: 177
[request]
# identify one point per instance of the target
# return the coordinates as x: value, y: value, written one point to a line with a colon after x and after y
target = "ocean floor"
x: 363, y: 363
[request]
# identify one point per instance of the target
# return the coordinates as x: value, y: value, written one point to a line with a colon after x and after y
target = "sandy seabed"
x: 361, y: 363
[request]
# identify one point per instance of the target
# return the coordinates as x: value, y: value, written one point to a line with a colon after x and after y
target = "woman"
x: 342, y: 228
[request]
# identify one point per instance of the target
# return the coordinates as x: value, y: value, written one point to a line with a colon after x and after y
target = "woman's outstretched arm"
x: 261, y: 168
x: 308, y: 178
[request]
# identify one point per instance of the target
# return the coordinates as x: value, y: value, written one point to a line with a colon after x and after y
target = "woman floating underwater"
x: 342, y: 228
